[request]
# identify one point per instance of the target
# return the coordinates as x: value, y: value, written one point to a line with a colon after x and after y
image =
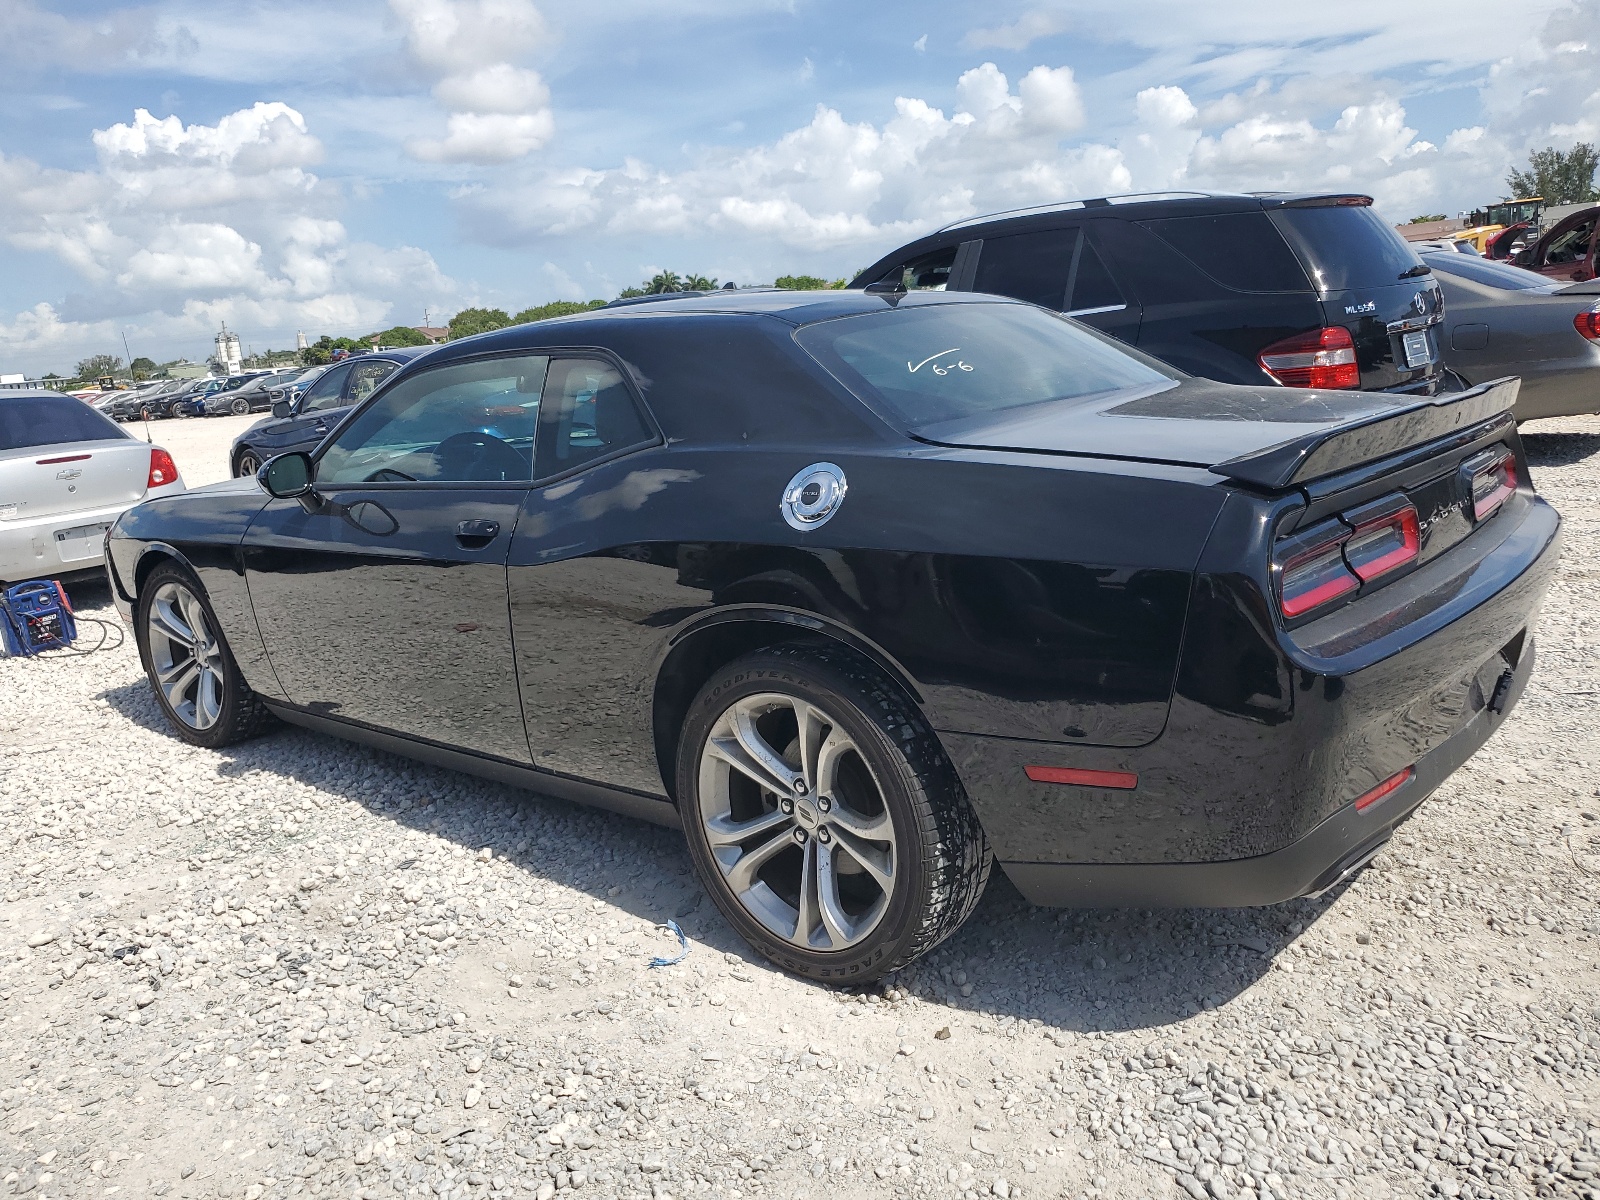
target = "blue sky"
x: 341, y: 168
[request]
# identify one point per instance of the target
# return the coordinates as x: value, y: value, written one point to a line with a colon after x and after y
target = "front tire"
x: 247, y: 464
x: 196, y: 682
x: 824, y: 817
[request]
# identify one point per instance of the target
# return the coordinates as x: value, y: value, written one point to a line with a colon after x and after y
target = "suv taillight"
x: 1317, y: 358
x: 1334, y: 559
x: 1491, y: 479
x: 1588, y: 324
x: 162, y: 469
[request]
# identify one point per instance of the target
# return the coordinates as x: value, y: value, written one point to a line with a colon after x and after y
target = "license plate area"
x: 80, y: 542
x: 1417, y: 348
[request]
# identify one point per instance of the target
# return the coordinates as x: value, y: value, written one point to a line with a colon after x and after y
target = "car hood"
x: 1192, y: 422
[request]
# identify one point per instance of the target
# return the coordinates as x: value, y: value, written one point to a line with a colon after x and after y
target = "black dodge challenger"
x: 865, y: 590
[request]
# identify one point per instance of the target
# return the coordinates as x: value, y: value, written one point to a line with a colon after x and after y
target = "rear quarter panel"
x: 1021, y: 596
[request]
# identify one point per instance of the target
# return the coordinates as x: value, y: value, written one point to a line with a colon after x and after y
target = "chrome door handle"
x: 475, y: 535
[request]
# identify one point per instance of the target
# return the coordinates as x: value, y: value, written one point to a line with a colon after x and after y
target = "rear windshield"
x: 1491, y: 274
x: 1348, y: 246
x: 51, y: 421
x: 947, y: 362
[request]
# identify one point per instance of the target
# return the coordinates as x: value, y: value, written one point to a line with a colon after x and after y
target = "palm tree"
x: 699, y: 283
x: 664, y: 281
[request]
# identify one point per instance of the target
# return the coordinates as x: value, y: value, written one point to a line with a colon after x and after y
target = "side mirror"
x: 282, y: 408
x: 286, y: 476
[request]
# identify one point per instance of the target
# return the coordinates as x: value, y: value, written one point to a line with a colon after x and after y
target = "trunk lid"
x: 42, y: 481
x: 1269, y: 438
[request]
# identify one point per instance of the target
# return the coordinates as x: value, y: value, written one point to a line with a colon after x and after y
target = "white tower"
x: 300, y: 340
x: 228, y: 356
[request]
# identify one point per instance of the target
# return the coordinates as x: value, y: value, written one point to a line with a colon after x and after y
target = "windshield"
x: 1348, y: 246
x: 51, y: 421
x: 929, y: 364
x: 1492, y: 274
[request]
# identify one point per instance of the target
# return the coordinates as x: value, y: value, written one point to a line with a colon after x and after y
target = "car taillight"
x: 1334, y: 559
x: 1318, y: 358
x: 1316, y: 575
x: 1588, y: 324
x: 1383, y: 542
x: 162, y: 469
x: 1491, y: 479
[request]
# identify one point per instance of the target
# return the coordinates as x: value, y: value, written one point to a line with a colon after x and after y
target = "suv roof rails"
x: 1067, y: 205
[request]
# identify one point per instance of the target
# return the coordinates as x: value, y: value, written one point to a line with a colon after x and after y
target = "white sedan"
x: 66, y: 473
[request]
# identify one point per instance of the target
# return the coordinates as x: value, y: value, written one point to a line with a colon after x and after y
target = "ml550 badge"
x: 1355, y: 310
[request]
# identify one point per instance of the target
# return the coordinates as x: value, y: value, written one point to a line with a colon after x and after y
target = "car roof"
x: 794, y: 307
x: 1167, y: 204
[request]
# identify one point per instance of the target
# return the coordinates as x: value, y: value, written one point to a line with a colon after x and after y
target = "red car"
x: 1567, y: 250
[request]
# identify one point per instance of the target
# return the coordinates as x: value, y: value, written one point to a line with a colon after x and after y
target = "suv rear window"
x: 1243, y: 251
x: 1348, y: 246
x: 51, y: 421
x: 924, y: 365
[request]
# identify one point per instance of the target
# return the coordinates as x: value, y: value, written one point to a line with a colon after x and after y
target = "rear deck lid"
x: 58, y: 455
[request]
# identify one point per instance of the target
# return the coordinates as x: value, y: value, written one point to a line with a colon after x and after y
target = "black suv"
x: 301, y: 423
x: 1299, y: 290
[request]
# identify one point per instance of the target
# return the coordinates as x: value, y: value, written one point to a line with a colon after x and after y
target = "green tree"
x: 1424, y: 218
x: 800, y: 283
x: 142, y: 368
x: 699, y: 283
x: 663, y: 282
x: 556, y: 308
x: 1560, y: 176
x: 631, y: 293
x: 477, y: 320
x: 400, y: 335
x: 97, y: 365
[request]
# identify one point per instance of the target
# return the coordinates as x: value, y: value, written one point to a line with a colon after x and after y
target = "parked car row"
x: 1279, y: 289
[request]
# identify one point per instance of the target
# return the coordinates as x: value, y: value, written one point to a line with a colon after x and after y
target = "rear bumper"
x: 29, y: 550
x: 1331, y: 852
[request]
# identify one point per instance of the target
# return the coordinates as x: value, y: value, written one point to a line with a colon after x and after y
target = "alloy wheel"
x: 186, y: 656
x: 796, y: 822
x: 240, y: 407
x: 249, y: 464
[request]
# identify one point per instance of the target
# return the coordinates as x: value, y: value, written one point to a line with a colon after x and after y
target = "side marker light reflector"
x: 1082, y: 777
x: 1386, y: 788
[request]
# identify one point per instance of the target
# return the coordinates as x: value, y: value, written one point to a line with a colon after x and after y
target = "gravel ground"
x: 302, y: 967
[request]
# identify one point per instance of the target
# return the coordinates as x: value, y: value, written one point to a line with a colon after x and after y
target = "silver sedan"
x: 66, y: 473
x: 1504, y: 320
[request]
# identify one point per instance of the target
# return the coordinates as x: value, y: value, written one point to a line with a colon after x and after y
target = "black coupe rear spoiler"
x: 1328, y: 451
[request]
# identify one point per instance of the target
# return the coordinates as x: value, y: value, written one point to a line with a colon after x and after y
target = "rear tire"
x: 192, y: 672
x: 824, y: 817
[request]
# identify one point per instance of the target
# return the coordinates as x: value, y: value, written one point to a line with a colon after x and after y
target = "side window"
x: 1242, y: 251
x: 588, y: 413
x: 327, y: 391
x: 927, y: 272
x: 1028, y: 266
x: 1092, y: 285
x: 365, y: 378
x: 470, y: 422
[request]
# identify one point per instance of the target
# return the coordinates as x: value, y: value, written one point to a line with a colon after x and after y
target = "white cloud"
x: 498, y: 111
x: 1018, y: 34
x: 832, y: 182
x: 180, y: 226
